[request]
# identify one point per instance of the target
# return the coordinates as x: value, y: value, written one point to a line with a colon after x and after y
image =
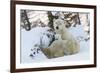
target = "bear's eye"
x: 57, y: 27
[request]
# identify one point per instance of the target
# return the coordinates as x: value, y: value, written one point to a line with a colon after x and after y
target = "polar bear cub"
x: 66, y: 43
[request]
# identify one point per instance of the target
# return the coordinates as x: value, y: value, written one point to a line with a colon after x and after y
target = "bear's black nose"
x: 57, y: 27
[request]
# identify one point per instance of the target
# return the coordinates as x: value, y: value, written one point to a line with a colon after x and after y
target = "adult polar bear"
x: 66, y: 43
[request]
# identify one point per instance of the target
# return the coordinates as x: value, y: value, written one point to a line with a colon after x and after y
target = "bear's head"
x: 59, y: 25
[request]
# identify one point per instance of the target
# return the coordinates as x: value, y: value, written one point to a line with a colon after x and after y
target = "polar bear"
x: 66, y: 44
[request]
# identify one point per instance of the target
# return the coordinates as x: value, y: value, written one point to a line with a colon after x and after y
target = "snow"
x: 29, y: 38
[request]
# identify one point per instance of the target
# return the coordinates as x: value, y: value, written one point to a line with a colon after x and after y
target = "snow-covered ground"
x: 28, y: 38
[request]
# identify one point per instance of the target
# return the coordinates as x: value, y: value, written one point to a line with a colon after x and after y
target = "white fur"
x: 66, y: 43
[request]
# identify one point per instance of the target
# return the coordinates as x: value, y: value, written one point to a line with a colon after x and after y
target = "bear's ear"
x: 67, y: 24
